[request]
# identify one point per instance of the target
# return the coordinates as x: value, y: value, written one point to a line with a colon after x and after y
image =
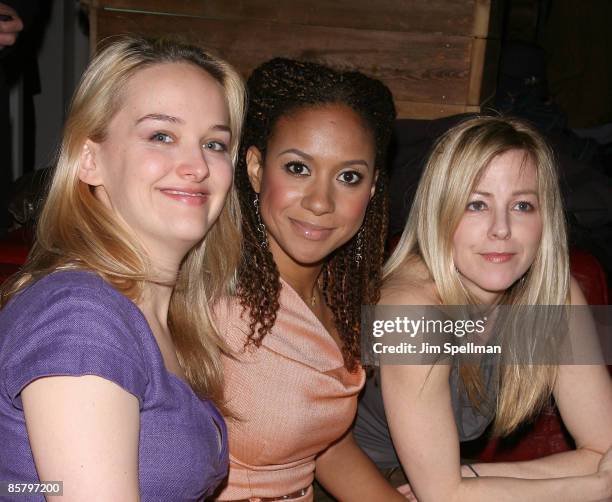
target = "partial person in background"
x: 578, y: 45
x: 19, y: 33
x: 487, y: 228
x: 109, y: 364
x: 313, y: 191
x: 11, y: 25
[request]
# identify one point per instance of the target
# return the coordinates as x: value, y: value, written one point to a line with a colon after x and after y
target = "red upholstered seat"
x: 14, y: 250
x: 591, y: 276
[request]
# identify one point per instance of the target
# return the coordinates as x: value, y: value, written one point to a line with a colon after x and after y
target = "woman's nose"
x: 318, y: 198
x: 194, y: 165
x: 500, y: 225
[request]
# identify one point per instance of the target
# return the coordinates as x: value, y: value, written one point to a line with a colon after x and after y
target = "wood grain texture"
x: 416, y: 67
x: 438, y: 57
x: 488, y: 18
x: 420, y: 110
x: 488, y: 84
x: 452, y: 17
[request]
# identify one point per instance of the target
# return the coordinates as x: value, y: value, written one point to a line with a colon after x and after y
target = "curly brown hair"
x: 277, y: 89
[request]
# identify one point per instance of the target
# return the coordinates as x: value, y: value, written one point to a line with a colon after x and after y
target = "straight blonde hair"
x: 76, y: 231
x: 455, y: 165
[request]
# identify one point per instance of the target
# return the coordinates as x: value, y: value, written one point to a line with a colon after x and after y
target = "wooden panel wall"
x: 438, y: 57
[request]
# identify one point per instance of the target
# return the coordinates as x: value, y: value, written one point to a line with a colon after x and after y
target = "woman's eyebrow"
x: 361, y: 162
x: 296, y: 152
x: 176, y: 120
x: 515, y: 193
x: 160, y: 116
x: 222, y: 127
x: 304, y: 155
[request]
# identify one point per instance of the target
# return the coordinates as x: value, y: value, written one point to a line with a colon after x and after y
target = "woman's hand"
x: 407, y: 492
x: 605, y: 470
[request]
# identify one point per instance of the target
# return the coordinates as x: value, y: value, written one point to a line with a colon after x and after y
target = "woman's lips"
x: 188, y: 197
x: 309, y: 231
x: 497, y: 257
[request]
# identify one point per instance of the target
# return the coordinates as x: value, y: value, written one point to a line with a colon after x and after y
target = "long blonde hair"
x: 457, y: 161
x: 76, y: 231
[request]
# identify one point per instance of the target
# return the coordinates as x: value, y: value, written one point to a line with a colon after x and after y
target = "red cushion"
x: 6, y: 270
x: 545, y: 436
x: 590, y: 275
x: 14, y: 248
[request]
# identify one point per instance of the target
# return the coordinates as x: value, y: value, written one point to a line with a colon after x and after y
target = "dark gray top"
x: 372, y: 432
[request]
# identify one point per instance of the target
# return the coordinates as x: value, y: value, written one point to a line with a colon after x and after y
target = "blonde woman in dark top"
x: 487, y: 228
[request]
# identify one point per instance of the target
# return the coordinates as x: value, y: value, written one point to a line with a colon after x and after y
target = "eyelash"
x: 290, y: 168
x: 290, y: 165
x: 472, y: 206
x: 219, y: 146
x: 156, y: 137
x: 357, y: 177
x: 162, y: 137
x: 526, y: 210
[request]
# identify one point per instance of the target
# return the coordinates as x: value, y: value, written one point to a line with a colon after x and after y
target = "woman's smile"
x: 311, y: 231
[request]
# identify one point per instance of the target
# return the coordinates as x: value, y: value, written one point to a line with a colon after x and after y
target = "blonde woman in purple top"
x: 109, y: 364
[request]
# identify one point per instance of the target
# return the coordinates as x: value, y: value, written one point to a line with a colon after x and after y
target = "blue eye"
x: 297, y: 168
x: 477, y: 205
x: 350, y: 177
x: 215, y: 146
x: 161, y: 137
x: 524, y: 206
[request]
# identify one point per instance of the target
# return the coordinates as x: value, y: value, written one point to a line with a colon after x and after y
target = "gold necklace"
x: 313, y: 297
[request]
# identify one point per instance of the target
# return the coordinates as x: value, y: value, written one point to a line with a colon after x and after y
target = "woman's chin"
x: 489, y: 290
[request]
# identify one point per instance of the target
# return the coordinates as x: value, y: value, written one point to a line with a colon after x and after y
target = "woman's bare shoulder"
x: 411, y: 284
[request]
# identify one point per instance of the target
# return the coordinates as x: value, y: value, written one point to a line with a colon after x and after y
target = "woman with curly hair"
x: 312, y: 187
x: 109, y: 375
x: 487, y: 229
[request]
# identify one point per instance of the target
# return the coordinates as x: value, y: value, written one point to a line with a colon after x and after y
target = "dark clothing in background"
x: 578, y: 42
x: 15, y: 62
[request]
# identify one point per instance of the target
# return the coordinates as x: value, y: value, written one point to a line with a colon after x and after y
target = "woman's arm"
x: 583, y: 394
x: 349, y: 475
x: 584, y: 398
x: 84, y: 431
x: 418, y: 406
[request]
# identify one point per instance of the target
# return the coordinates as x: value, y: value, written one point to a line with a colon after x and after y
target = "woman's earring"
x: 261, y: 228
x: 359, y: 246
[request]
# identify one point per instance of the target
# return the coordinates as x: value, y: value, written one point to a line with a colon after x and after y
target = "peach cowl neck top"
x: 292, y: 397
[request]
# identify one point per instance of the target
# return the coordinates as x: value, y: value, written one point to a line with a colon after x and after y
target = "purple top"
x: 74, y: 323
